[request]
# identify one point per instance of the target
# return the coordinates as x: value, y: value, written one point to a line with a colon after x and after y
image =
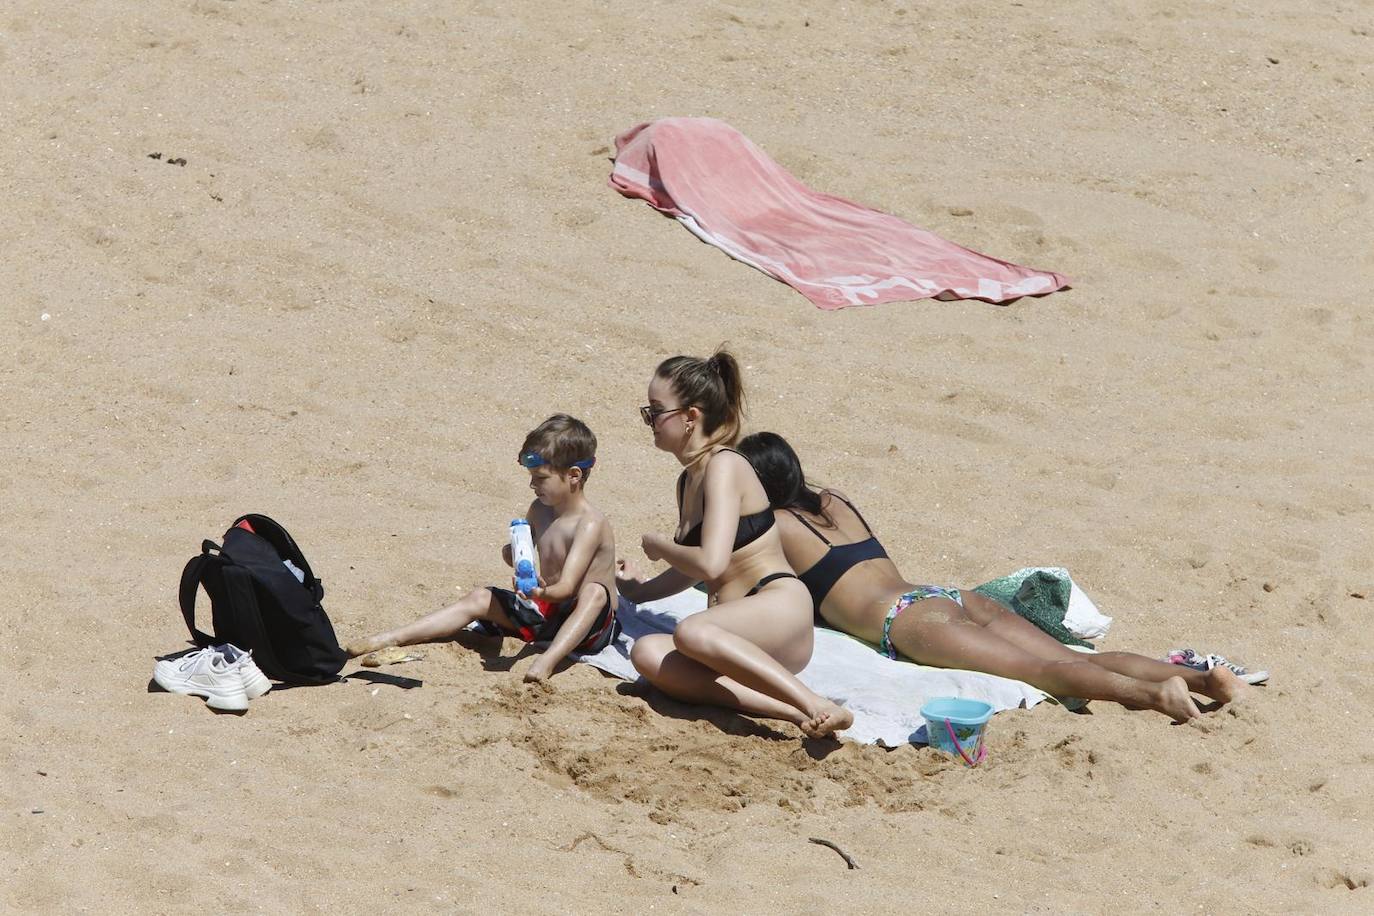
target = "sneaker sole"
x: 233, y: 701
x: 256, y: 685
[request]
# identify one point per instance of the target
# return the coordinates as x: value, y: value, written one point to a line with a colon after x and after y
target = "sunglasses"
x: 534, y: 460
x: 650, y: 415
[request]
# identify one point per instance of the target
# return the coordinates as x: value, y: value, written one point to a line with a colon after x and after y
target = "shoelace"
x: 1219, y: 661
x: 1191, y: 659
x: 186, y: 662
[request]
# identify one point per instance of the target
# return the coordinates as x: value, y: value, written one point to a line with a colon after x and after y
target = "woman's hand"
x: 654, y: 544
x: 628, y: 579
x: 627, y: 572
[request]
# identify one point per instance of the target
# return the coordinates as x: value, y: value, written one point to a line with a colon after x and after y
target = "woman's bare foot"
x: 1175, y: 701
x: 1223, y: 685
x: 830, y: 718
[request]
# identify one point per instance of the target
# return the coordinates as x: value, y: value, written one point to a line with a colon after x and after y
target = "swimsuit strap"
x: 810, y: 527
x: 853, y: 509
x: 826, y: 540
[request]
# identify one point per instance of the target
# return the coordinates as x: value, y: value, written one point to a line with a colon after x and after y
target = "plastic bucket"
x: 956, y: 726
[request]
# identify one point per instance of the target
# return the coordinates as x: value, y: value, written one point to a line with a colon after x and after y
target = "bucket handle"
x: 982, y: 748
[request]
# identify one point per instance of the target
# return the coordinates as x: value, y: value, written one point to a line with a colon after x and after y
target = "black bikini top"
x: 838, y: 560
x: 751, y: 527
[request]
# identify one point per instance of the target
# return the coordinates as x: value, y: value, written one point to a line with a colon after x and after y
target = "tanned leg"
x: 692, y: 682
x: 937, y: 631
x: 1219, y: 684
x: 477, y: 604
x: 761, y: 642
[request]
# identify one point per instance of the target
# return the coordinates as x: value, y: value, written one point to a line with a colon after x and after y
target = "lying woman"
x: 743, y: 651
x: 855, y: 587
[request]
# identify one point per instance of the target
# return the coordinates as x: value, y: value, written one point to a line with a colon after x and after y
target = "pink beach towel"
x: 833, y: 251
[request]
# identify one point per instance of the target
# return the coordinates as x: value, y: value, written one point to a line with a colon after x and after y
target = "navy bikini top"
x: 751, y: 527
x: 838, y: 560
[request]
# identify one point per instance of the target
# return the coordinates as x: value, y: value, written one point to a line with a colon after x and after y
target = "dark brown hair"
x: 713, y: 386
x: 561, y: 441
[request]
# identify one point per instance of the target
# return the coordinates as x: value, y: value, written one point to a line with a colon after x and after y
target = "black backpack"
x: 257, y: 603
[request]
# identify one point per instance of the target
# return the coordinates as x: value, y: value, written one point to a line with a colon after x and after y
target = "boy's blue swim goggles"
x: 534, y: 460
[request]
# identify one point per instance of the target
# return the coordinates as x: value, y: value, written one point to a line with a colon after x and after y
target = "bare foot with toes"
x: 1175, y: 701
x: 829, y: 719
x: 1223, y: 685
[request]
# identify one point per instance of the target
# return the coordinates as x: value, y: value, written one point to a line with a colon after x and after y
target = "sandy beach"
x: 330, y: 262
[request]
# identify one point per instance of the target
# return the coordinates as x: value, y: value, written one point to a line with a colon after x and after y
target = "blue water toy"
x: 522, y: 556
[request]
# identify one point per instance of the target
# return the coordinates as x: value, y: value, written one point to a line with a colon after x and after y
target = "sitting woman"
x: 743, y: 651
x: 856, y: 588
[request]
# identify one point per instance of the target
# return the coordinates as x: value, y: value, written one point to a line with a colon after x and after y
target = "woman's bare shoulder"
x: 726, y: 462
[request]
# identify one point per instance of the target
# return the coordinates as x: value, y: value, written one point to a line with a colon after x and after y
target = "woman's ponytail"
x: 724, y: 364
x: 714, y: 386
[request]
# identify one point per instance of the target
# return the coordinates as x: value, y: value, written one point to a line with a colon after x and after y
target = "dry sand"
x: 391, y: 251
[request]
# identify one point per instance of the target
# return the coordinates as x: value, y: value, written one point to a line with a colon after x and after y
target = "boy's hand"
x: 653, y: 545
x: 536, y: 592
x: 538, y: 672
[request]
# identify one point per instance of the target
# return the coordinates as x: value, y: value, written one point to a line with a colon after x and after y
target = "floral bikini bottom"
x: 919, y: 593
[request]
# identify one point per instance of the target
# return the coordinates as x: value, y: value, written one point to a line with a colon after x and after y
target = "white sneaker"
x: 255, y: 683
x: 204, y: 673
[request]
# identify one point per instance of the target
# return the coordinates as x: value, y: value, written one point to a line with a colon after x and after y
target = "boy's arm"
x: 586, y: 538
x: 573, y: 630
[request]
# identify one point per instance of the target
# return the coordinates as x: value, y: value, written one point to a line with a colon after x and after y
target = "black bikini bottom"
x: 758, y: 586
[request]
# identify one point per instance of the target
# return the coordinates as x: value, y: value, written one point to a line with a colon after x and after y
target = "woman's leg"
x: 1218, y: 684
x: 692, y: 682
x: 478, y: 604
x: 937, y: 631
x: 759, y: 642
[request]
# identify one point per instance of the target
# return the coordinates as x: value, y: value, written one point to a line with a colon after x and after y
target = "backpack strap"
x: 190, y: 584
x: 244, y: 615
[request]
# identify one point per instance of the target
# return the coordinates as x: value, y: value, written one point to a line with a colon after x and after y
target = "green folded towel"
x: 1040, y: 596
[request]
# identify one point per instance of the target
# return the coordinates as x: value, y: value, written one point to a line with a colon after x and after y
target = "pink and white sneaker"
x: 1189, y: 658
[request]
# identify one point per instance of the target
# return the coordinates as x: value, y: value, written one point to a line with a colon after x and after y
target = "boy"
x: 576, y: 600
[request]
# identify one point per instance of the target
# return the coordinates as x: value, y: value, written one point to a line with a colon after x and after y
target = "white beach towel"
x: 885, y: 696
